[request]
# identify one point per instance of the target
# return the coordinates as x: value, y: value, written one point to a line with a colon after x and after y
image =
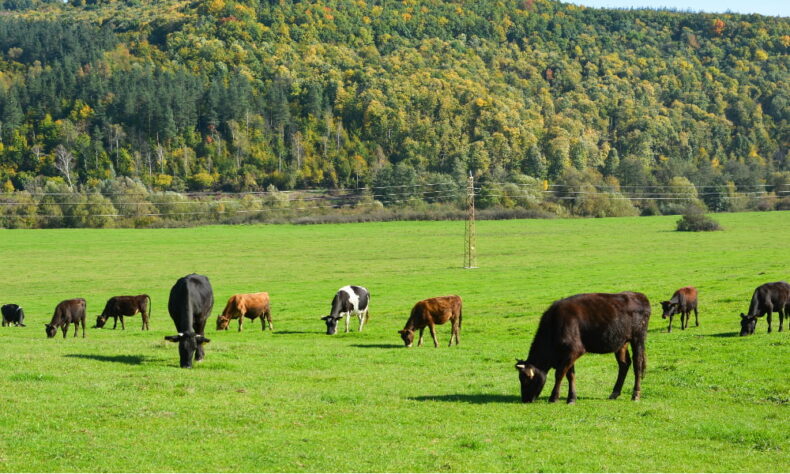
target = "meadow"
x: 298, y: 400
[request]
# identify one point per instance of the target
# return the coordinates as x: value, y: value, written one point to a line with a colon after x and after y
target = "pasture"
x: 298, y: 400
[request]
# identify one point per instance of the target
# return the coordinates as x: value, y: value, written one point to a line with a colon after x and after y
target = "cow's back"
x: 602, y: 322
x: 776, y: 295
x: 70, y: 310
x: 190, y: 297
x: 438, y: 310
x: 686, y: 296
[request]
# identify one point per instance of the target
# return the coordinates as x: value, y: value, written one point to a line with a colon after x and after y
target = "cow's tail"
x: 150, y: 306
x: 460, y: 316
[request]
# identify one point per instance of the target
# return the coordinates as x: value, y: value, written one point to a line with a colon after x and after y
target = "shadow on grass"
x: 297, y: 332
x: 475, y: 398
x: 378, y: 346
x: 723, y: 334
x: 122, y: 359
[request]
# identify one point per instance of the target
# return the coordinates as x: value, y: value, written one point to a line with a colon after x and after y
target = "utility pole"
x: 470, y: 244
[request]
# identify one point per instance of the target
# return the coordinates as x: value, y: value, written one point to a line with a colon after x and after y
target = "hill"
x: 239, y: 95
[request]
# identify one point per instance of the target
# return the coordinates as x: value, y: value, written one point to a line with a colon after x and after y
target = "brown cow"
x: 431, y: 312
x: 250, y: 305
x: 66, y: 312
x: 683, y: 301
x: 120, y: 306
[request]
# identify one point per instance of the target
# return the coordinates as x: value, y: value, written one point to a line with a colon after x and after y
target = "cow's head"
x: 187, y: 345
x: 222, y: 322
x: 748, y: 323
x: 408, y: 336
x: 51, y: 330
x: 532, y: 380
x: 331, y: 323
x: 669, y: 309
x: 101, y: 321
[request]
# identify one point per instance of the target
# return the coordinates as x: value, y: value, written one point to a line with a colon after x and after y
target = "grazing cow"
x: 120, y: 306
x: 13, y: 314
x: 191, y: 299
x: 594, y: 322
x: 347, y: 300
x: 431, y: 312
x: 67, y: 312
x: 250, y: 305
x: 683, y: 301
x: 767, y: 298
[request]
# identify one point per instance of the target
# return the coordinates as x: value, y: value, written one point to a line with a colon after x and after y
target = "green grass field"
x: 298, y: 400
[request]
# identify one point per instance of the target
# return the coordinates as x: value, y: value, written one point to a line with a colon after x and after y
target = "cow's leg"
x: 696, y: 316
x: 669, y: 329
x: 5, y: 323
x: 115, y: 322
x: 623, y: 363
x: 65, y: 328
x: 768, y: 320
x: 123, y: 326
x: 348, y: 320
x: 559, y: 373
x: 781, y: 318
x: 83, y: 328
x: 241, y: 321
x: 144, y: 315
x: 433, y: 335
x: 200, y: 328
x: 640, y: 362
x: 456, y: 332
x: 571, y: 375
x: 419, y: 342
x: 269, y: 320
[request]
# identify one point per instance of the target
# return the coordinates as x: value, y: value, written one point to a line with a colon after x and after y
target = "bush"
x: 695, y: 220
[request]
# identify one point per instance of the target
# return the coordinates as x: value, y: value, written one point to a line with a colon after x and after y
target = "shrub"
x: 695, y: 220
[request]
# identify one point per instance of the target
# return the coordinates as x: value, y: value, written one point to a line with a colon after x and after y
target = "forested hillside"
x: 241, y: 95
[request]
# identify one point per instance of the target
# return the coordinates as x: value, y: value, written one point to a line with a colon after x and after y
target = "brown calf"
x: 250, y: 305
x: 66, y: 312
x: 683, y: 301
x: 431, y: 312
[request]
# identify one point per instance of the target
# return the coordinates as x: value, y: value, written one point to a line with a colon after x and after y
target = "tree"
x: 64, y: 162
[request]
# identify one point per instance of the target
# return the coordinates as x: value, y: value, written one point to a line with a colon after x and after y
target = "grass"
x: 298, y: 400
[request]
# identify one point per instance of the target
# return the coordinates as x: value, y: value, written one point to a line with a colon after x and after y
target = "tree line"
x: 238, y: 96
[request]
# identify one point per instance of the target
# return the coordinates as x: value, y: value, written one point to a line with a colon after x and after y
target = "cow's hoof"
x: 614, y: 396
x: 553, y: 399
x: 572, y: 401
x: 635, y: 397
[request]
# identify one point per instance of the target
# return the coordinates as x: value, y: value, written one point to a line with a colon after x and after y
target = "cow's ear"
x: 202, y: 339
x: 743, y: 316
x: 403, y: 331
x: 175, y: 338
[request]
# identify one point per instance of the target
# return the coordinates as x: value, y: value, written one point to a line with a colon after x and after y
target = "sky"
x: 763, y: 7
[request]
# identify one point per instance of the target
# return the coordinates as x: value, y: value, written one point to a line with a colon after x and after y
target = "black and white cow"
x: 191, y: 300
x: 347, y: 300
x: 13, y: 315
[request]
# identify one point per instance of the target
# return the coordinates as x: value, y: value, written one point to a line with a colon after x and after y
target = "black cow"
x: 593, y: 322
x: 191, y: 300
x: 347, y: 300
x: 120, y: 306
x: 13, y: 314
x: 67, y: 312
x: 767, y: 298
